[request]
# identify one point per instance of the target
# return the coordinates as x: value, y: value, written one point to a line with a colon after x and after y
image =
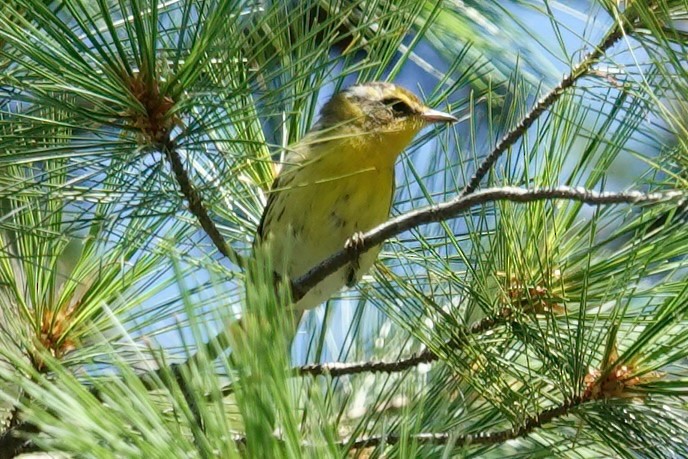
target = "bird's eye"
x: 398, y: 106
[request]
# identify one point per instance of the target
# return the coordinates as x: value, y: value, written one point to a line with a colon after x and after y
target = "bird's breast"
x: 320, y: 204
x: 334, y: 207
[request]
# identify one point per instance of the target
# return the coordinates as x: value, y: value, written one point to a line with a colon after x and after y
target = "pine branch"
x: 581, y: 69
x: 483, y: 438
x: 336, y: 369
x: 196, y: 206
x: 458, y: 205
x: 427, y: 356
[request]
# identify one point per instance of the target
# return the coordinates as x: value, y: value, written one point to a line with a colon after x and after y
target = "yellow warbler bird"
x: 338, y: 181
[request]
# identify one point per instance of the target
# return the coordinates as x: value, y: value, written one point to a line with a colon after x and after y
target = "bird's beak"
x: 436, y: 116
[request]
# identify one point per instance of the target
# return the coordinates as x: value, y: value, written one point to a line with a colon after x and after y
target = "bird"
x: 338, y: 182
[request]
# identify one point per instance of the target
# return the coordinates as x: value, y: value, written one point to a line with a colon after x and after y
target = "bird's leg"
x: 354, y: 245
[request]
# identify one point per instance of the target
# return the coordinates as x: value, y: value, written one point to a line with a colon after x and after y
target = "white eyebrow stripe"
x: 363, y: 91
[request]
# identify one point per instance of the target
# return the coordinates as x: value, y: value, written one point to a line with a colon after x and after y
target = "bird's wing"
x: 260, y: 233
x: 280, y: 182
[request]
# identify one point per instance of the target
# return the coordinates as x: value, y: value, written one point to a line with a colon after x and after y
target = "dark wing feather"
x: 260, y: 232
x: 278, y: 185
x: 282, y: 180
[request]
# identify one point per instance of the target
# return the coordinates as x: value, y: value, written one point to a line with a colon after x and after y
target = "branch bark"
x: 510, y: 138
x: 426, y: 356
x: 487, y: 438
x: 196, y: 206
x: 11, y: 442
x: 459, y: 205
x: 483, y: 438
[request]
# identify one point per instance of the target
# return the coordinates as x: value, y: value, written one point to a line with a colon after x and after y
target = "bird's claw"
x: 355, y: 243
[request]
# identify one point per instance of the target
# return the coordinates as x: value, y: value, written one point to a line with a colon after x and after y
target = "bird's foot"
x: 354, y: 245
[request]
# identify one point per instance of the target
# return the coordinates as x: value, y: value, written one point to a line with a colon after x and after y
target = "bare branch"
x: 427, y: 356
x: 336, y: 369
x: 443, y: 438
x: 510, y: 138
x: 460, y: 204
x: 488, y: 438
x: 196, y: 206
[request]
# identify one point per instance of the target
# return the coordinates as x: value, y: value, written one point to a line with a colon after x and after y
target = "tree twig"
x: 486, y: 438
x: 336, y: 369
x: 196, y: 206
x: 427, y: 356
x: 458, y: 205
x: 508, y: 140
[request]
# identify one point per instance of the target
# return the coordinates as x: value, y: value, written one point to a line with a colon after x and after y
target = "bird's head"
x: 387, y: 111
